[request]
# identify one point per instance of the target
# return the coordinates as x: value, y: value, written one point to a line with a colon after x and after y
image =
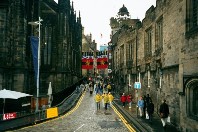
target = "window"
x: 194, y: 13
x: 192, y: 98
x: 195, y: 101
x: 191, y: 17
x: 148, y: 42
x: 116, y: 60
x: 148, y: 75
x: 122, y: 55
x: 159, y: 34
x: 130, y: 49
x: 130, y: 52
x: 2, y: 32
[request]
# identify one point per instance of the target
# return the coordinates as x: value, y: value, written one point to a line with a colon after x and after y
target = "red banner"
x: 87, y: 63
x: 102, y: 63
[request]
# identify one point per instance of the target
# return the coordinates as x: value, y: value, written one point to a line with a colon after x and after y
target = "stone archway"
x: 191, y: 87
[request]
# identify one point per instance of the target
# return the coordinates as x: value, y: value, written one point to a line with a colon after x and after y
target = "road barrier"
x: 41, y: 115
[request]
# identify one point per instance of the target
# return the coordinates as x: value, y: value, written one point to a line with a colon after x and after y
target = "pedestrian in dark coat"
x: 164, y: 113
x: 150, y: 109
x: 147, y: 100
x: 144, y: 108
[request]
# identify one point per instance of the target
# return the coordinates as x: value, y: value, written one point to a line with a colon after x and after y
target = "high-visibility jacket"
x: 111, y: 97
x: 98, y: 98
x: 108, y: 86
x: 106, y: 98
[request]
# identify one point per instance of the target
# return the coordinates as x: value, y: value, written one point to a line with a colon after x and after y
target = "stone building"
x: 122, y: 44
x: 61, y: 42
x: 161, y: 52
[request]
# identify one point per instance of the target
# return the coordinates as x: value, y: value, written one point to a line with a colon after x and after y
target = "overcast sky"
x: 96, y: 14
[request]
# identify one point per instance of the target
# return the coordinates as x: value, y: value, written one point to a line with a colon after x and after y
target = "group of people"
x: 126, y: 99
x: 145, y: 105
x: 102, y: 88
x: 105, y: 98
x: 103, y: 94
x: 146, y: 109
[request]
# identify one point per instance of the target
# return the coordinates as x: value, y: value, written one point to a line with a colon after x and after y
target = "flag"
x: 102, y: 63
x: 87, y: 63
x: 34, y: 44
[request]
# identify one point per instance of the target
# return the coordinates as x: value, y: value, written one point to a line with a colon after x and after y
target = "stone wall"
x: 169, y: 65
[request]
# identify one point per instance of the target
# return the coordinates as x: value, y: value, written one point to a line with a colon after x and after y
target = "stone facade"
x: 61, y: 42
x: 161, y: 52
x: 88, y: 45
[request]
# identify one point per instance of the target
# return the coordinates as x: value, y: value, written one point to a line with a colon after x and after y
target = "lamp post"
x: 38, y: 69
x: 110, y: 60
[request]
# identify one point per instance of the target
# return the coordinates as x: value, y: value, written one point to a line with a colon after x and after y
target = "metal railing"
x: 24, y: 119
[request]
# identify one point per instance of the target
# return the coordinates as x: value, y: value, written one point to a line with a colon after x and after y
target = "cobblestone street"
x: 84, y: 118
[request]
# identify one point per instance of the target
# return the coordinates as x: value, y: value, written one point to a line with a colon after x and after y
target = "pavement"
x: 154, y: 126
x: 84, y: 117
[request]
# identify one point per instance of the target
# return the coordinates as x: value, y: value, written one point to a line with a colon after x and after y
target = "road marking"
x: 79, y: 127
x: 131, y: 129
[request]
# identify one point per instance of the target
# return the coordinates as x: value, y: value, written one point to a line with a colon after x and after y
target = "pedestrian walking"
x: 106, y: 100
x: 147, y: 100
x: 109, y: 87
x: 104, y: 87
x: 110, y: 98
x: 144, y: 108
x: 82, y: 87
x: 98, y: 98
x: 95, y: 88
x: 86, y: 87
x: 129, y: 100
x: 150, y: 110
x: 140, y: 106
x: 91, y: 89
x: 164, y: 113
x: 100, y: 87
x: 123, y: 99
x: 103, y: 104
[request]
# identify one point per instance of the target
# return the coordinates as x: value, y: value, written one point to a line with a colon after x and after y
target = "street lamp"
x: 38, y: 69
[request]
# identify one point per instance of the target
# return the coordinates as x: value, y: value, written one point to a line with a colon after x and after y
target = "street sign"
x: 137, y: 85
x: 8, y: 116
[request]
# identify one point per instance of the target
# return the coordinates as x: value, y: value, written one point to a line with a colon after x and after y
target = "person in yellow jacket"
x: 106, y: 100
x: 98, y: 98
x: 109, y: 87
x: 110, y: 98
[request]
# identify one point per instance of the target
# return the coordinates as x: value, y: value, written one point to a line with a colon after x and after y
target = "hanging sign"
x: 137, y: 85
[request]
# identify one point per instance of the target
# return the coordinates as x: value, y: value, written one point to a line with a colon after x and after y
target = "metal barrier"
x: 29, y: 119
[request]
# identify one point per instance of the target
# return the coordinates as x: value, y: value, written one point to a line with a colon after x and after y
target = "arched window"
x: 192, y: 98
